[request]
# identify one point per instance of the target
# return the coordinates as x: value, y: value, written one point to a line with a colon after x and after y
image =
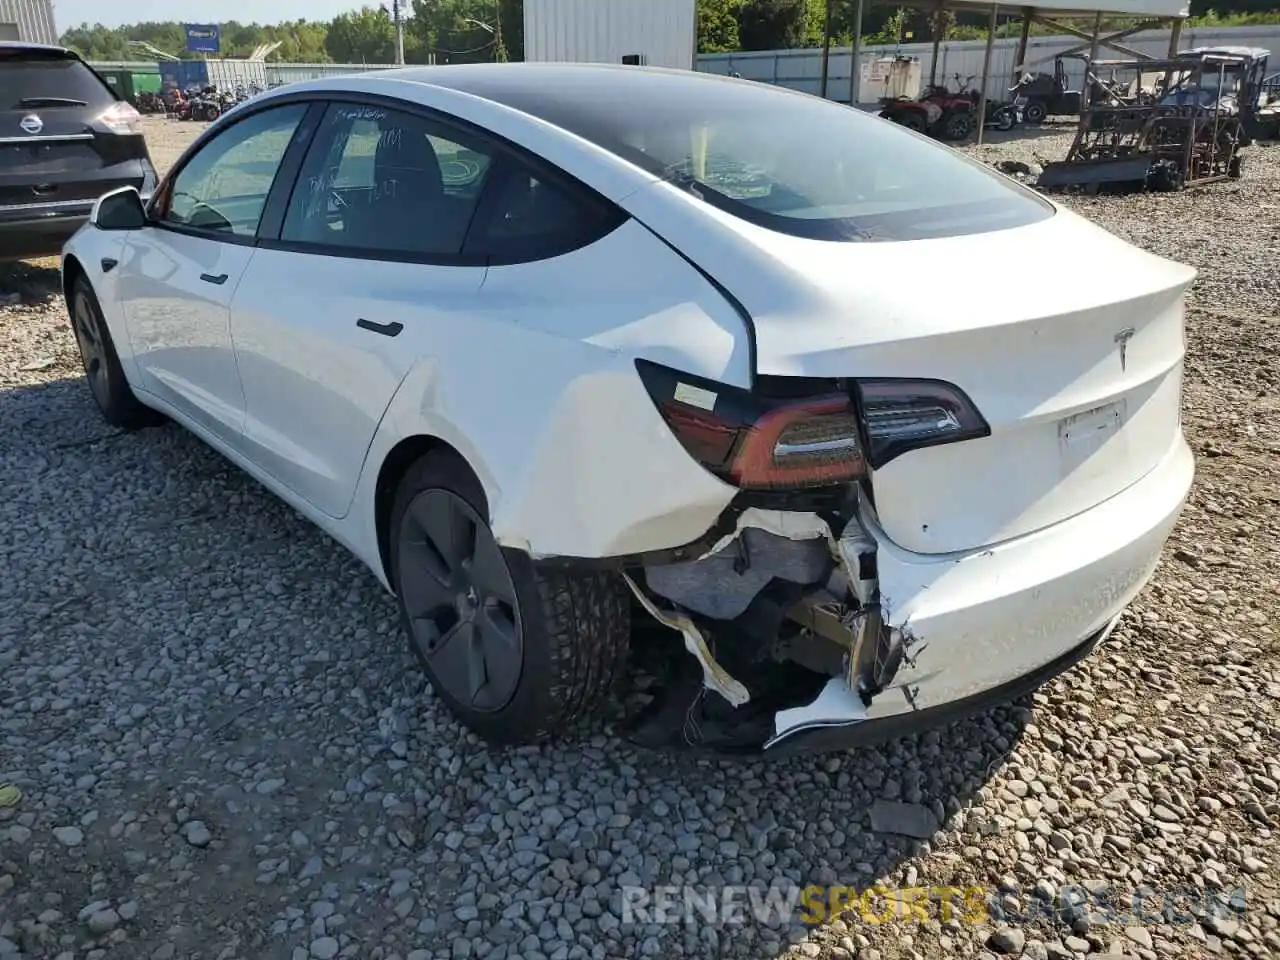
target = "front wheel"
x: 907, y: 118
x: 519, y: 652
x: 111, y: 391
x: 1034, y: 112
x: 1005, y: 120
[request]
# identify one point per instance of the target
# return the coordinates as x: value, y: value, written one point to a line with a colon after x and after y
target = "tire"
x: 1005, y: 120
x: 957, y: 126
x: 905, y: 118
x: 111, y: 391
x: 911, y: 120
x: 1034, y: 112
x: 568, y: 630
x: 1164, y: 177
x: 1234, y: 167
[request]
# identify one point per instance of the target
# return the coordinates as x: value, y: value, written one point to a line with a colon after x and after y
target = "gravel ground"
x: 223, y: 749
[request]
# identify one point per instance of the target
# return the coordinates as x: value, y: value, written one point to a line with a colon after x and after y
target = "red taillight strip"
x: 758, y: 465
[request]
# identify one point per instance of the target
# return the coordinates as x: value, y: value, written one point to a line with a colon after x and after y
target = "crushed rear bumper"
x: 943, y: 635
x: 979, y: 620
x: 829, y: 739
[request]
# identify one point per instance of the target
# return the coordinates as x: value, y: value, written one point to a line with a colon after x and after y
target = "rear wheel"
x: 958, y: 125
x: 1034, y: 112
x: 519, y: 652
x: 107, y: 383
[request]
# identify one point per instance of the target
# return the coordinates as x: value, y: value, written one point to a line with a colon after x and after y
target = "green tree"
x: 467, y: 31
x: 718, y: 26
x: 773, y: 24
x: 366, y: 35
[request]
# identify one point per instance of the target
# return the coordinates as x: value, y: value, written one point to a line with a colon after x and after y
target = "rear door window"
x: 380, y: 180
x: 47, y: 83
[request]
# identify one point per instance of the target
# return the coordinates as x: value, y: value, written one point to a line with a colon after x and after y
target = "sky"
x: 72, y: 13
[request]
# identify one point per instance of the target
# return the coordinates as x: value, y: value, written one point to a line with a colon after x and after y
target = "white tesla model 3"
x: 553, y: 348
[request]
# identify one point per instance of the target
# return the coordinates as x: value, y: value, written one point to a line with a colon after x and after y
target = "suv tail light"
x: 830, y: 437
x: 121, y: 118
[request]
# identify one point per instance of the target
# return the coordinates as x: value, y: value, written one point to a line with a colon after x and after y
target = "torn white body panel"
x: 977, y: 620
x: 781, y: 523
x: 836, y: 706
x: 714, y: 676
x: 766, y: 544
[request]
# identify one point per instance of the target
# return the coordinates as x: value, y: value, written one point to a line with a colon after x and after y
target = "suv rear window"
x: 49, y: 81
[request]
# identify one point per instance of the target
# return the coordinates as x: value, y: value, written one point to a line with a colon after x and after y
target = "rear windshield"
x: 48, y: 83
x: 786, y: 161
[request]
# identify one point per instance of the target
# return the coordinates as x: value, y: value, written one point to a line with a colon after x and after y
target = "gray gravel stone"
x: 907, y: 819
x: 196, y: 833
x: 1007, y: 940
x: 103, y: 921
x: 68, y: 836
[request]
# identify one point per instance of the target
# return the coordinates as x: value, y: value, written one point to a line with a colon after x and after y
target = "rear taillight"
x: 802, y: 443
x: 902, y: 415
x: 121, y: 118
x: 759, y: 442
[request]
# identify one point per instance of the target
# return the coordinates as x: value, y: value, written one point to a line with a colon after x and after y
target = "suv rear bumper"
x: 40, y: 230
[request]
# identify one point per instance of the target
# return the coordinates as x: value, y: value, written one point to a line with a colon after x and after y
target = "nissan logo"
x: 31, y: 123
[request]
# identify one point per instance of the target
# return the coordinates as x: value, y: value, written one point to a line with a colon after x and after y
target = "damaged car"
x: 708, y: 375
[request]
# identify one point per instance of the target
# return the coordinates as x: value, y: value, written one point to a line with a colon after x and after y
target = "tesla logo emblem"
x: 1122, y: 340
x: 31, y: 123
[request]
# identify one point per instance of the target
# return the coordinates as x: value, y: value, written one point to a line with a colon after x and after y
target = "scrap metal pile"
x: 1163, y: 124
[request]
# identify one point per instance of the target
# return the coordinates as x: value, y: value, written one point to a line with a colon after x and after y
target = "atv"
x: 937, y: 112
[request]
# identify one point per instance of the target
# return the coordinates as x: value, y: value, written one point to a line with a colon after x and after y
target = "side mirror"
x: 120, y: 209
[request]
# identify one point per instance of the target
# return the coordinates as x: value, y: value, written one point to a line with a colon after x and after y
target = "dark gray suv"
x: 65, y: 139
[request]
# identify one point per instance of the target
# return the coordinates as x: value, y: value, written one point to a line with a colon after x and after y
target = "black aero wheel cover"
x: 91, y: 340
x: 460, y: 601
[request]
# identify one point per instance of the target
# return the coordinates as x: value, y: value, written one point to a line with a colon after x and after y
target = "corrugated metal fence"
x: 802, y: 69
x: 294, y: 72
x: 276, y: 72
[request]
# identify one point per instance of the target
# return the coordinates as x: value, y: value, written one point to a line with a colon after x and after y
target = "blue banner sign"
x: 201, y: 37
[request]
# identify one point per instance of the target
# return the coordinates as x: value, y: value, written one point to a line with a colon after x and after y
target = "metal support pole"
x: 1020, y: 61
x: 855, y: 56
x: 937, y: 43
x: 500, y: 54
x: 826, y: 50
x: 395, y: 13
x: 1086, y: 91
x: 1175, y: 38
x: 986, y: 71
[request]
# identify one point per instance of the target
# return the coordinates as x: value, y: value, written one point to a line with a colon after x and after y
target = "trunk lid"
x: 52, y: 147
x: 1068, y: 340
